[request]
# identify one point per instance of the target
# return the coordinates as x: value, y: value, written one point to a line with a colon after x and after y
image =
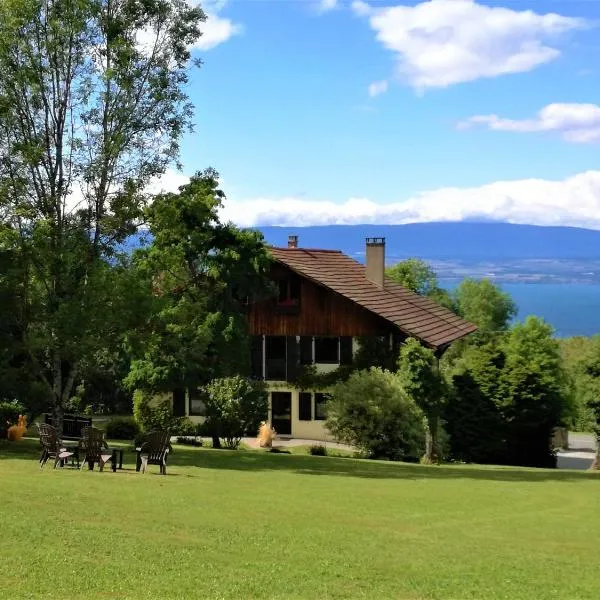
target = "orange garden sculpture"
x: 16, y: 432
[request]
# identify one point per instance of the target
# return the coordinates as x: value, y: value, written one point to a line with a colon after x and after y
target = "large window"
x: 327, y: 350
x: 320, y: 406
x: 275, y: 357
x: 197, y: 406
x: 305, y: 406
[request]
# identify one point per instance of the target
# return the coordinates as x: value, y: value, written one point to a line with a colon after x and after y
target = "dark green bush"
x: 372, y: 412
x: 318, y: 450
x: 189, y: 441
x: 9, y: 415
x: 122, y: 428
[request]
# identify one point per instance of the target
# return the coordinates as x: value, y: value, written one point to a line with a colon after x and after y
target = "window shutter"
x: 179, y: 402
x: 292, y: 358
x: 257, y: 356
x: 346, y: 351
x: 306, y: 348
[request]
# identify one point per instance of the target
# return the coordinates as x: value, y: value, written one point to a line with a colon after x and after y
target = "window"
x: 305, y: 406
x: 275, y: 357
x: 197, y: 406
x: 289, y: 292
x: 306, y: 350
x: 320, y: 406
x: 327, y: 350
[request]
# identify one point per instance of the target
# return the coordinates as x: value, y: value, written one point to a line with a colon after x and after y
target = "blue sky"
x: 284, y: 111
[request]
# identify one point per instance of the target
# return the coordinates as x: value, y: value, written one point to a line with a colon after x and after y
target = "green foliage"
x: 419, y: 376
x: 235, y: 407
x: 189, y: 441
x: 317, y: 450
x: 418, y: 276
x: 9, y: 414
x: 372, y: 412
x: 155, y: 413
x: 579, y: 355
x: 374, y: 351
x: 196, y: 271
x: 88, y: 117
x: 509, y: 395
x: 122, y: 428
x: 485, y: 305
x: 474, y: 420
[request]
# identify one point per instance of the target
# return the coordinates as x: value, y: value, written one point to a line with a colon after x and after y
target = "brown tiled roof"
x: 415, y: 315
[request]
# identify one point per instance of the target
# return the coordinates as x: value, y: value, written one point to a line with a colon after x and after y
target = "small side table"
x: 115, y: 452
x: 74, y: 448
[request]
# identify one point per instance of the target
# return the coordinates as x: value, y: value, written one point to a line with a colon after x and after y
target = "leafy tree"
x: 533, y: 388
x: 517, y: 383
x: 578, y: 357
x: 235, y: 407
x: 197, y: 272
x: 485, y: 305
x: 372, y: 411
x: 473, y: 414
x: 92, y: 105
x: 419, y: 376
x: 584, y: 365
x: 418, y: 276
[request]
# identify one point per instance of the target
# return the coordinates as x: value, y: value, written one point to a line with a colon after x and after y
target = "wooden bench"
x: 72, y: 425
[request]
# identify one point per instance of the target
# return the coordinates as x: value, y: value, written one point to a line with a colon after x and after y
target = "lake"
x: 571, y: 308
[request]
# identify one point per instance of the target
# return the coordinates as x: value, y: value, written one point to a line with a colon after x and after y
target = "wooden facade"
x: 318, y: 312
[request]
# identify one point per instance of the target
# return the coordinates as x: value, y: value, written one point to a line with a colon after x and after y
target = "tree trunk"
x: 432, y: 450
x: 57, y: 417
x: 596, y: 464
x: 216, y: 442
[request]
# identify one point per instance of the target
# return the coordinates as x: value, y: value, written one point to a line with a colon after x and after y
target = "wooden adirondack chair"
x: 154, y: 451
x: 94, y: 448
x: 52, y: 447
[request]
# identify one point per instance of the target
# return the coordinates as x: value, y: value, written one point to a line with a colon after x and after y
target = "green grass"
x: 227, y: 524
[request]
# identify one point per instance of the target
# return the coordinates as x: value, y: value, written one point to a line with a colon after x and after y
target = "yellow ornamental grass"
x: 266, y: 435
x: 16, y: 432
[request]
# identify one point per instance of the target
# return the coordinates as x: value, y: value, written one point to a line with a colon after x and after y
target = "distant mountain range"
x: 459, y: 241
x: 502, y: 251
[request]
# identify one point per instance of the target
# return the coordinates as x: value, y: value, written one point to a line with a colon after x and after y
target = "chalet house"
x: 326, y: 300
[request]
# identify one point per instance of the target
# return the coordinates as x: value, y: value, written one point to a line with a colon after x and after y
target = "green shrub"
x: 182, y: 426
x: 122, y: 428
x: 235, y: 407
x: 155, y: 413
x: 318, y: 450
x: 372, y: 412
x: 9, y: 415
x: 189, y: 441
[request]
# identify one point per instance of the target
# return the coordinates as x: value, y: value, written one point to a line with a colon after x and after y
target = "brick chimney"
x: 292, y: 241
x: 375, y: 260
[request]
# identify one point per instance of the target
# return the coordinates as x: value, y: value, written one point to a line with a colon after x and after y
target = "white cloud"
x: 327, y: 5
x: 577, y: 123
x: 215, y: 31
x: 378, y: 87
x: 439, y: 43
x: 168, y: 182
x: 574, y: 201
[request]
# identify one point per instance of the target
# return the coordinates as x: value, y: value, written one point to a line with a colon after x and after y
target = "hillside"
x: 465, y: 241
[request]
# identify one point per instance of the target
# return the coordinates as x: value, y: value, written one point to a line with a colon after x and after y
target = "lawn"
x: 227, y: 524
